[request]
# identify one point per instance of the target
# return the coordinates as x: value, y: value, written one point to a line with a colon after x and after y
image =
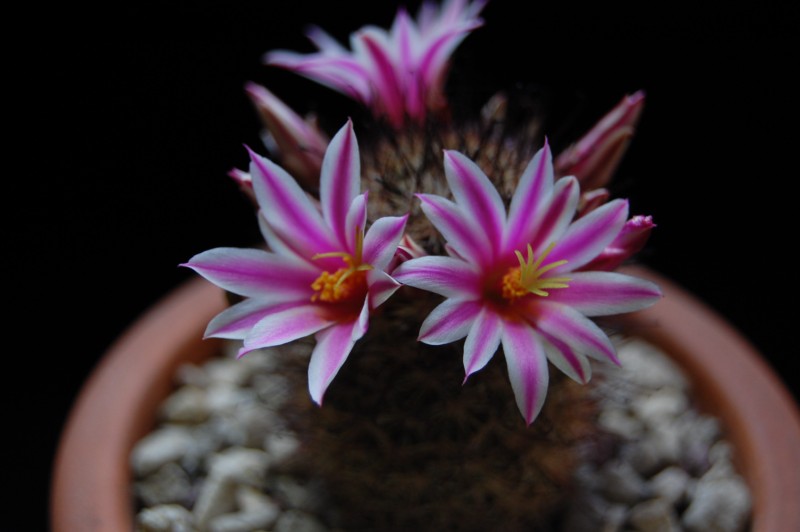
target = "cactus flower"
x: 399, y: 74
x: 323, y: 273
x: 517, y: 278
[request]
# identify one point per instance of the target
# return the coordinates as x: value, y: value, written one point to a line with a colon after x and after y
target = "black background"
x: 133, y: 115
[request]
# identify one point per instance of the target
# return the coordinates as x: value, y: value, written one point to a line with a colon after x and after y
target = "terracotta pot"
x: 91, y: 486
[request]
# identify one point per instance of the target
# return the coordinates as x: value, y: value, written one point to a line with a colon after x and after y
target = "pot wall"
x: 91, y: 486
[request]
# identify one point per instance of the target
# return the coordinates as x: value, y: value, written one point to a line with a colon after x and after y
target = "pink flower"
x: 513, y: 279
x: 399, y: 73
x: 322, y: 275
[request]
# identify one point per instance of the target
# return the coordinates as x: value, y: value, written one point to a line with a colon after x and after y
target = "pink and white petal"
x: 442, y: 35
x: 534, y: 187
x: 588, y: 236
x: 606, y: 293
x: 276, y: 244
x: 453, y: 252
x: 527, y: 367
x: 559, y: 322
x: 333, y: 347
x: 254, y: 273
x: 483, y: 340
x: 555, y: 215
x: 341, y: 73
x: 287, y: 208
x: 405, y: 42
x: 286, y: 325
x: 387, y: 86
x: 475, y: 195
x: 324, y: 41
x: 381, y: 287
x: 460, y: 232
x: 446, y: 276
x: 340, y: 180
x: 448, y: 322
x: 382, y: 239
x: 574, y: 365
x: 236, y: 322
x: 356, y: 221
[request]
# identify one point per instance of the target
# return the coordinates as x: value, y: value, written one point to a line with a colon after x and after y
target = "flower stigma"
x: 344, y: 283
x: 526, y: 278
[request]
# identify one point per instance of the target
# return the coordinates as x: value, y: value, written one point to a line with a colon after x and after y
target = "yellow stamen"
x: 527, y: 278
x: 340, y: 285
x: 344, y: 283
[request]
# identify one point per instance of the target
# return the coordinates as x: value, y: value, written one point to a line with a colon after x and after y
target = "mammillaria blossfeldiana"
x: 399, y: 73
x: 518, y: 278
x: 322, y: 275
x: 522, y: 257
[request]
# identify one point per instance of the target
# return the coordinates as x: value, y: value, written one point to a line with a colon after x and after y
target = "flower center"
x: 345, y: 283
x: 340, y: 285
x: 527, y: 278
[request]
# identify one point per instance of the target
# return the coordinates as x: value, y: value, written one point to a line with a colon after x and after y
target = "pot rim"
x: 91, y: 482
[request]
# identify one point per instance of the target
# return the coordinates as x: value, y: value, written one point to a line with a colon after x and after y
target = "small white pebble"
x: 670, y: 484
x: 167, y: 444
x: 165, y: 518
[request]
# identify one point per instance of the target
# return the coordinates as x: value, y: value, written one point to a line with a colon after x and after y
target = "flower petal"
x: 475, y: 194
x: 448, y: 322
x: 356, y: 221
x: 588, y: 236
x: 574, y: 365
x: 381, y: 287
x: 236, y: 321
x: 276, y: 243
x: 340, y: 180
x: 483, y: 340
x: 254, y: 273
x: 527, y: 367
x: 333, y: 347
x: 606, y: 293
x: 341, y: 73
x: 559, y: 322
x: 445, y: 276
x: 382, y: 239
x: 324, y: 41
x: 534, y: 187
x: 459, y: 231
x: 556, y: 214
x: 287, y: 209
x: 442, y: 32
x: 285, y: 325
x: 405, y: 40
x: 383, y: 76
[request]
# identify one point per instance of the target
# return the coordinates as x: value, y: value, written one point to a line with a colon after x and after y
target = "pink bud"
x: 244, y: 180
x: 407, y: 249
x: 591, y: 200
x: 629, y: 241
x: 300, y: 145
x: 595, y: 157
